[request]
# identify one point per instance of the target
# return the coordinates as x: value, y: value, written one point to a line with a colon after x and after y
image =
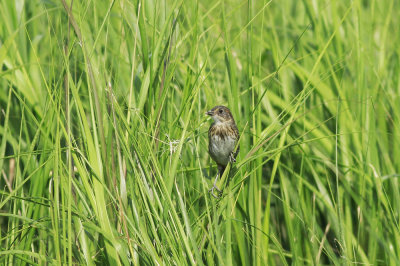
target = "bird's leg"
x: 232, y: 158
x: 215, y: 187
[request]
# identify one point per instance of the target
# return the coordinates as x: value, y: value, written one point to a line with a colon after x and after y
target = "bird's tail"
x: 221, y: 170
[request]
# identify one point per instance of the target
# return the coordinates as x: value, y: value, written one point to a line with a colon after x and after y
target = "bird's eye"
x: 221, y: 111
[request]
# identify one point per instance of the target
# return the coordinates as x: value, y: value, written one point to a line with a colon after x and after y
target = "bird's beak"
x: 209, y: 113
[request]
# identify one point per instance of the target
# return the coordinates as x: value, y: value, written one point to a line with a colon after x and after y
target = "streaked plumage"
x: 222, y: 136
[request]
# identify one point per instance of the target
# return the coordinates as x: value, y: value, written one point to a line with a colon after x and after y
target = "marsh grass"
x: 103, y: 150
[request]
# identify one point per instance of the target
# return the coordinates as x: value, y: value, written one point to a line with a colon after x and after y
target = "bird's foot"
x: 211, y: 190
x: 232, y: 158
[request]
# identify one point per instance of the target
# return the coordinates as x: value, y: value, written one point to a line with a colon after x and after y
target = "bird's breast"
x: 220, y: 148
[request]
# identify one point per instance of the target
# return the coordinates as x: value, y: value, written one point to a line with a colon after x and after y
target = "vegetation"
x: 103, y: 132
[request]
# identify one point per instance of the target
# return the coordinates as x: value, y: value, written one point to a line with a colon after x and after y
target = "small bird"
x: 223, y: 136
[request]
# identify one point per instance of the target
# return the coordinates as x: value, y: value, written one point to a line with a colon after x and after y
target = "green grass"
x: 103, y: 132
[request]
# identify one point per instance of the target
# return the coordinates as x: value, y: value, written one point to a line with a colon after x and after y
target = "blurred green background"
x: 103, y: 133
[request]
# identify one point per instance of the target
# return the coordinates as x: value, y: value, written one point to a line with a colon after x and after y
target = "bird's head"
x: 220, y: 114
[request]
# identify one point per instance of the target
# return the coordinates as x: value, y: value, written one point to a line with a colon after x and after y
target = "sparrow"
x: 223, y: 136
